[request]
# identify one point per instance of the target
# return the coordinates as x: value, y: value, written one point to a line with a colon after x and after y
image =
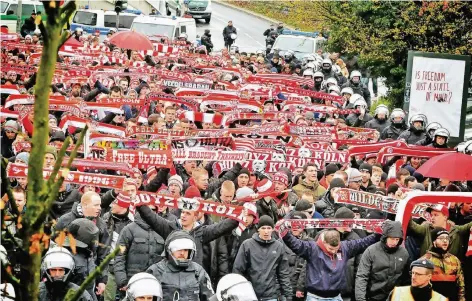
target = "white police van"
x: 91, y: 20
x: 170, y: 27
x: 300, y: 42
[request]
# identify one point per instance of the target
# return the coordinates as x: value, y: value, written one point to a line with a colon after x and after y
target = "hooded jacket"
x: 377, y: 124
x: 265, y: 265
x: 316, y: 189
x: 143, y: 247
x: 325, y: 273
x: 202, y: 234
x: 189, y: 283
x: 382, y: 268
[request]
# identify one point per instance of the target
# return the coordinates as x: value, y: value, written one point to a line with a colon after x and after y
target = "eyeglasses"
x: 417, y: 274
x: 443, y: 238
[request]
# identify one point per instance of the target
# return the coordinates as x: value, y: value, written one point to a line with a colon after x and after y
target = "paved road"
x: 249, y: 28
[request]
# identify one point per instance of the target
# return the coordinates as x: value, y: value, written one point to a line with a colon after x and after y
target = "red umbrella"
x: 131, y: 40
x: 450, y: 166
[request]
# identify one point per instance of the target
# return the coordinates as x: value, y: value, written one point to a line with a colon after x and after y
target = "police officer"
x: 181, y: 278
x: 58, y: 266
x: 417, y: 131
x: 397, y: 125
x: 421, y: 271
x: 143, y: 287
x: 234, y: 287
x: 206, y: 41
x: 357, y: 86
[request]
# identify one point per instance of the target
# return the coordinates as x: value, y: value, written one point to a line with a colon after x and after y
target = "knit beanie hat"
x: 192, y: 192
x: 177, y: 180
x: 244, y: 171
x: 303, y: 205
x: 281, y: 177
x: 265, y: 185
x: 265, y: 220
x: 123, y: 200
x: 243, y: 192
x: 11, y: 125
x: 331, y: 169
x: 438, y: 231
x: 344, y: 212
x: 51, y: 150
x: 23, y: 156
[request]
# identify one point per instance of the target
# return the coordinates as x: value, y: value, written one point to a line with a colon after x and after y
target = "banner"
x: 141, y: 159
x: 436, y: 86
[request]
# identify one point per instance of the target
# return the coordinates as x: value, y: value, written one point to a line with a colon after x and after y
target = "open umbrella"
x: 131, y: 40
x: 450, y: 166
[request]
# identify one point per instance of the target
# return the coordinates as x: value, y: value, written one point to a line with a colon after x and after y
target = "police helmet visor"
x: 239, y: 292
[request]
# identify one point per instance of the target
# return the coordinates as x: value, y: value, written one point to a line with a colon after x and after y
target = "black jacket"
x: 64, y: 203
x: 144, y: 247
x: 7, y: 146
x: 412, y: 136
x: 202, y: 234
x: 392, y: 132
x: 378, y: 125
x: 48, y: 294
x: 159, y: 180
x: 102, y: 250
x: 227, y: 31
x: 360, y: 89
x: 206, y: 41
x: 265, y: 265
x: 297, y: 267
x: 381, y: 269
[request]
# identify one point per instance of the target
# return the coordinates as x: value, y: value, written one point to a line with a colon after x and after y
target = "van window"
x: 151, y: 29
x: 27, y: 9
x: 3, y: 7
x: 85, y: 18
x: 125, y: 21
x: 177, y: 33
x: 183, y: 29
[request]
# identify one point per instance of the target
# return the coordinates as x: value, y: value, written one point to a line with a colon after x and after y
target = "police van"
x: 171, y: 27
x: 91, y: 20
x: 198, y: 9
x: 9, y: 12
x: 300, y: 42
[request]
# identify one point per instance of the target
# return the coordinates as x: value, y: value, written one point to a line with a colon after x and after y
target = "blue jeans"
x: 311, y: 297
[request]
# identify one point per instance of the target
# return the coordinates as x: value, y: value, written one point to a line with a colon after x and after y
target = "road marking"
x: 254, y: 39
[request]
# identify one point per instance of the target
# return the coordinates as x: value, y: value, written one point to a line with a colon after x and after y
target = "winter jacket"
x: 267, y: 208
x: 354, y: 120
x: 326, y: 274
x: 84, y: 265
x: 7, y: 146
x: 143, y: 247
x: 326, y: 205
x: 316, y: 189
x: 380, y: 268
x: 230, y: 175
x: 182, y: 173
x: 159, y: 180
x: 392, y: 132
x: 265, y: 265
x: 412, y: 136
x: 234, y: 242
x: 448, y: 277
x: 297, y: 267
x: 202, y: 234
x: 47, y: 294
x: 458, y: 237
x: 189, y: 284
x: 227, y: 31
x: 102, y: 250
x: 115, y: 223
x: 206, y: 41
x: 64, y: 203
x: 377, y: 124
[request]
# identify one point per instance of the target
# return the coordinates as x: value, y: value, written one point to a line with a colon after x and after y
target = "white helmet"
x: 355, y: 73
x: 441, y: 132
x: 397, y: 113
x: 334, y: 88
x: 381, y: 109
x: 347, y: 90
x: 355, y: 97
x: 183, y: 35
x: 234, y: 287
x: 3, y: 256
x: 308, y: 58
x: 332, y: 81
x: 337, y: 70
x: 143, y: 284
x: 327, y: 64
x: 180, y: 240
x: 419, y: 117
x: 233, y: 36
x: 359, y: 102
x: 308, y: 72
x: 79, y: 29
x: 58, y: 257
x: 319, y: 75
x: 430, y: 128
x: 310, y: 66
x: 465, y: 147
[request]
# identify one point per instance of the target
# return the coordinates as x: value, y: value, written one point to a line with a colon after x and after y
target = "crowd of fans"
x: 173, y: 253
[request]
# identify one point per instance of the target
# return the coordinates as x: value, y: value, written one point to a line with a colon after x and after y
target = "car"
x: 91, y: 20
x: 198, y: 9
x: 9, y: 12
x: 300, y: 42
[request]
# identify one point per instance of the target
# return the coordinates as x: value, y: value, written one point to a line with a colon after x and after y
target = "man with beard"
x: 382, y: 265
x: 309, y: 181
x: 58, y: 266
x: 448, y: 279
x: 380, y: 121
x: 416, y: 132
x: 396, y: 127
x: 421, y: 271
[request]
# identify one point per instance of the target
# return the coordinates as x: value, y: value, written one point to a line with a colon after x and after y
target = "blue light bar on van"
x: 300, y: 33
x: 133, y: 11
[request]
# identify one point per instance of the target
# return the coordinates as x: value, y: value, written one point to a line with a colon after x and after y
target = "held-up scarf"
x: 396, y: 151
x: 371, y: 225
